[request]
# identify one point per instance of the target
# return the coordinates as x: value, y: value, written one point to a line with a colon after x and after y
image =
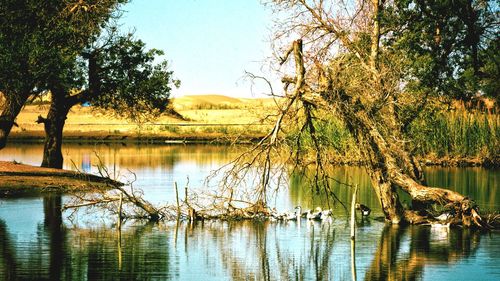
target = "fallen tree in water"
x: 102, y: 192
x: 127, y: 203
x: 351, y: 62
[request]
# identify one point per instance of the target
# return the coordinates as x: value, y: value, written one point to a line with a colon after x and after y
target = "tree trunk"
x: 390, y: 166
x: 389, y: 170
x: 12, y: 107
x: 53, y: 125
x: 388, y: 162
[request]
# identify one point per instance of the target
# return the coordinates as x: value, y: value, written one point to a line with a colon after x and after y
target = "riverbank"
x: 210, y: 118
x: 454, y: 138
x: 20, y: 180
x: 146, y: 138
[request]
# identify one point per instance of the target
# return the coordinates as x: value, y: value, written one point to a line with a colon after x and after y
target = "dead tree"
x: 338, y: 72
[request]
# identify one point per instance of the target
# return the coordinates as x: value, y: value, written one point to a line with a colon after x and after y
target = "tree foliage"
x: 449, y: 46
x: 131, y: 84
x: 38, y: 39
x: 114, y: 73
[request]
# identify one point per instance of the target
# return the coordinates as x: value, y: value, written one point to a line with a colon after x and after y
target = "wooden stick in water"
x: 353, y: 212
x: 353, y: 233
x: 120, y: 204
x: 177, y: 198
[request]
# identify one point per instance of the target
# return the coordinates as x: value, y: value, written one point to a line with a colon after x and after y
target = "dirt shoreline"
x: 447, y: 161
x: 23, y: 180
x: 134, y: 138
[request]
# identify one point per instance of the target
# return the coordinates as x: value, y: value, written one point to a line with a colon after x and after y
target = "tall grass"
x: 332, y: 135
x: 337, y: 137
x: 459, y: 133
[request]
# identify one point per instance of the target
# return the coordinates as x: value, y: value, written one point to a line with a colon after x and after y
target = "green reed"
x: 459, y: 133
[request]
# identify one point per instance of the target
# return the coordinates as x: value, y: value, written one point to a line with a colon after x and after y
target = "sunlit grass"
x: 211, y: 116
x: 458, y: 133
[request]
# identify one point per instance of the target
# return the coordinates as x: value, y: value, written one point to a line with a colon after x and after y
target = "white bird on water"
x: 310, y: 215
x: 444, y: 217
x: 294, y: 215
x: 325, y: 214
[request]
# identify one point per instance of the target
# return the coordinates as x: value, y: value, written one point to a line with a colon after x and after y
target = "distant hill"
x: 218, y: 102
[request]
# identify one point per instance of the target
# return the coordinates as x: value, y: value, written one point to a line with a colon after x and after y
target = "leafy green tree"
x: 448, y: 45
x: 37, y: 38
x: 131, y: 84
x: 490, y: 70
x: 117, y: 74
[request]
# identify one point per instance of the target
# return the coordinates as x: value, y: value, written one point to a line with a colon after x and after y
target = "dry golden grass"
x: 219, y: 102
x: 207, y: 116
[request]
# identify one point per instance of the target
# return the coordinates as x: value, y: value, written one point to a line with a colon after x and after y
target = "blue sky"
x: 209, y: 43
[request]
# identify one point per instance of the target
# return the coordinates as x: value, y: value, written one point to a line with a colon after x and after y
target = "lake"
x: 39, y: 243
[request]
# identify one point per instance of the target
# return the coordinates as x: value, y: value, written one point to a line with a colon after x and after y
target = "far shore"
x: 106, y: 137
x: 205, y: 119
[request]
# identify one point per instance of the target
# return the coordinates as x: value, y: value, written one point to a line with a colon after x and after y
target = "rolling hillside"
x: 210, y: 116
x: 218, y: 102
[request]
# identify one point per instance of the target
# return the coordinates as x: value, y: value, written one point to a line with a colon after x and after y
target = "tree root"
x: 463, y: 213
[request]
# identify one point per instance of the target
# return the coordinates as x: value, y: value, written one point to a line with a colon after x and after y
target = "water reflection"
x: 124, y: 156
x: 84, y: 254
x: 37, y: 242
x: 240, y: 251
x: 345, y: 179
x: 8, y: 266
x: 404, y: 252
x: 42, y: 256
x: 478, y: 183
x: 56, y: 235
x: 259, y: 250
x: 158, y: 166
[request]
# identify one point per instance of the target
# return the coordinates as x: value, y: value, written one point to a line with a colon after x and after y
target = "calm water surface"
x: 39, y: 243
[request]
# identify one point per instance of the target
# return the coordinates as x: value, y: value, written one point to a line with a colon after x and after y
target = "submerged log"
x: 152, y: 212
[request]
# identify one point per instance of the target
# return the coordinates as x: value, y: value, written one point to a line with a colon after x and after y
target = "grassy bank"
x: 206, y: 118
x: 458, y: 137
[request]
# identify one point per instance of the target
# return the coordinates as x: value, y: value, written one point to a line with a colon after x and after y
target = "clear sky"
x: 209, y: 43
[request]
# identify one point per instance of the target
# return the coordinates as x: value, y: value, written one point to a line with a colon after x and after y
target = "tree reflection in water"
x: 404, y: 252
x: 33, y: 247
x: 8, y: 264
x: 141, y: 253
x: 239, y: 250
x: 56, y: 236
x: 45, y: 257
x: 259, y: 251
x: 61, y: 253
